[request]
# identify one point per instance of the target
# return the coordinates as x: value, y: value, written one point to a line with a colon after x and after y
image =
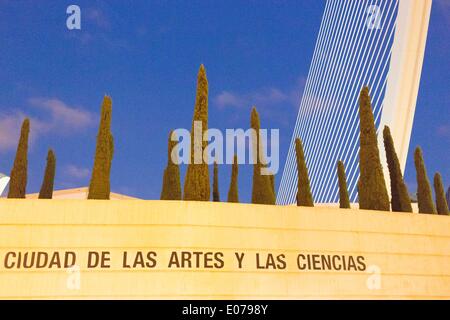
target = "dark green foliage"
x: 216, y: 197
x: 262, y: 191
x: 171, y: 189
x: 99, y: 187
x: 46, y: 191
x: 272, y: 184
x: 233, y: 191
x: 304, y: 197
x: 18, y: 182
x: 441, y: 202
x: 196, y: 184
x: 400, y: 199
x: 447, y: 196
x: 424, y: 194
x: 372, y: 192
x: 344, y: 200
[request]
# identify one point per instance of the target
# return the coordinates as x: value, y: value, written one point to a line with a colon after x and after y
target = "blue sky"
x: 146, y: 54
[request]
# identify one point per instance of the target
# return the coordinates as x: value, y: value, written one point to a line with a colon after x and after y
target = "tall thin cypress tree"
x: 196, y: 183
x: 424, y: 194
x: 171, y: 189
x: 441, y: 202
x: 304, y: 196
x: 344, y: 200
x: 99, y: 187
x: 233, y: 191
x: 18, y: 182
x: 372, y: 192
x: 262, y: 186
x: 46, y: 191
x: 447, y: 196
x: 216, y: 196
x: 400, y: 200
x: 272, y: 184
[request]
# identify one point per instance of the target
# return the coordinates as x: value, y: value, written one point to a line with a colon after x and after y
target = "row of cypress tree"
x: 18, y: 182
x: 99, y: 187
x: 197, y: 183
x: 372, y: 189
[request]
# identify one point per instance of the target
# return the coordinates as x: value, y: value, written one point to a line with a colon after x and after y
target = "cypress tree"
x: 304, y: 197
x: 344, y: 200
x: 424, y: 195
x: 99, y: 187
x: 233, y: 191
x: 196, y: 184
x: 216, y: 197
x: 262, y: 186
x: 372, y: 190
x: 18, y: 182
x: 272, y: 184
x: 46, y: 191
x: 171, y: 189
x: 441, y: 202
x: 400, y: 200
x: 447, y: 196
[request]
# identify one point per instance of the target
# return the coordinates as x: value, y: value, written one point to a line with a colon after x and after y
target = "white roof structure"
x: 79, y: 193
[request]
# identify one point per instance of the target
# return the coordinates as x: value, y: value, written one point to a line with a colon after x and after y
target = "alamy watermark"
x: 374, y: 280
x: 73, y: 280
x: 221, y: 147
x: 73, y: 21
x: 374, y: 19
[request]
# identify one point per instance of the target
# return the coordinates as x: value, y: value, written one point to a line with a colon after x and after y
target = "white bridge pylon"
x: 374, y: 43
